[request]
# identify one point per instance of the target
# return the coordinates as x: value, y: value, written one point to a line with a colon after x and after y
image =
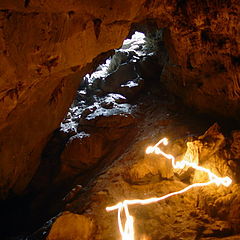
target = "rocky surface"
x: 100, y: 133
x: 206, y: 213
x: 96, y: 130
x: 47, y: 46
x: 203, y: 47
x: 97, y: 158
x: 71, y: 226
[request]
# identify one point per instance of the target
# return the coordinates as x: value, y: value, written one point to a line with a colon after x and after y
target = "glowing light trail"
x: 226, y: 181
x: 127, y: 230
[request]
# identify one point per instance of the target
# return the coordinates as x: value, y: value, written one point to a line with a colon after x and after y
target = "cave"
x: 119, y: 120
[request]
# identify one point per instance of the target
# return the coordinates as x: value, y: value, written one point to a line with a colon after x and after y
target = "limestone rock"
x: 123, y: 74
x: 198, y: 213
x: 151, y: 168
x: 219, y: 228
x: 213, y: 140
x: 206, y: 77
x: 192, y: 156
x: 217, y: 201
x: 108, y: 121
x: 114, y: 98
x: 47, y: 46
x: 205, y: 151
x: 70, y: 226
x: 124, y: 80
x: 83, y: 151
x: 235, y: 237
x: 235, y: 146
x: 131, y: 88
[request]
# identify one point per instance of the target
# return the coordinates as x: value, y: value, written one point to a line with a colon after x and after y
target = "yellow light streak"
x: 127, y: 229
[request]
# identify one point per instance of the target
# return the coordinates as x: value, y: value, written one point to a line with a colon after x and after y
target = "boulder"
x: 131, y: 88
x: 123, y: 74
x: 83, y: 151
x: 71, y: 226
x: 151, y: 168
x: 109, y: 121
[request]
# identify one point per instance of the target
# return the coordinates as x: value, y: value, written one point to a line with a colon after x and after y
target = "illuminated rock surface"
x: 71, y: 226
x: 46, y: 47
x: 207, y: 213
x: 117, y: 168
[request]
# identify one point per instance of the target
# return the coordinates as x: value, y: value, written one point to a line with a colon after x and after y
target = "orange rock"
x: 84, y: 152
x: 47, y: 46
x: 71, y: 226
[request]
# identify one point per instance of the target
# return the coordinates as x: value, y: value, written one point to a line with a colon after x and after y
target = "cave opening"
x: 97, y: 158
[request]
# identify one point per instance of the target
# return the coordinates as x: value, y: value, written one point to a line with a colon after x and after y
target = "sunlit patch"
x: 126, y: 229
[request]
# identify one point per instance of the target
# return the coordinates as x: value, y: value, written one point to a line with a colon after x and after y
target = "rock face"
x: 107, y: 136
x: 47, y: 46
x: 45, y: 50
x: 204, y: 213
x: 204, y: 61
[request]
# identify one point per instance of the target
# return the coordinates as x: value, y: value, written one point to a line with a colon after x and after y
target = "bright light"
x: 127, y: 229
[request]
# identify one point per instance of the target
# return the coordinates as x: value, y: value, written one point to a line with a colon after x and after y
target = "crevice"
x: 26, y: 3
x: 97, y: 27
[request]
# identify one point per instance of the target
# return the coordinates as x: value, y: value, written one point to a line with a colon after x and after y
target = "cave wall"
x: 204, y: 61
x: 46, y: 46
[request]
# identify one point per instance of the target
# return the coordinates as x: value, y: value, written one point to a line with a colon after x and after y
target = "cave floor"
x: 131, y: 176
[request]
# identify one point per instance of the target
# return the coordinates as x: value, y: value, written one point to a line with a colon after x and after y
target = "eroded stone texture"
x: 203, y: 46
x: 82, y: 152
x: 105, y: 134
x: 212, y: 151
x: 205, y: 213
x: 46, y: 46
